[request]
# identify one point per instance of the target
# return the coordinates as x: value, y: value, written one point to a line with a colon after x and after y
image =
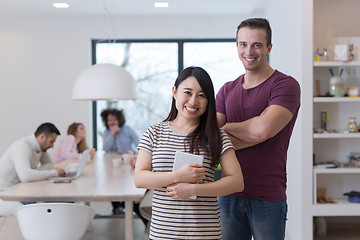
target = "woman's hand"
x: 129, y: 151
x: 180, y: 191
x: 113, y: 129
x: 191, y: 173
x: 60, y: 171
x: 133, y: 161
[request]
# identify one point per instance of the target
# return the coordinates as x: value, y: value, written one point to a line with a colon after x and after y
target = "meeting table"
x: 101, y: 181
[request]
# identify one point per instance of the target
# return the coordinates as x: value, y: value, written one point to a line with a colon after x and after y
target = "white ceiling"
x: 132, y: 7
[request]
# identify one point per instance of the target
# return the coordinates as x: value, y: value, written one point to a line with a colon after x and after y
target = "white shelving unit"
x: 336, y: 64
x: 329, y: 31
x: 342, y: 207
x: 335, y: 135
x: 335, y: 99
x: 335, y: 146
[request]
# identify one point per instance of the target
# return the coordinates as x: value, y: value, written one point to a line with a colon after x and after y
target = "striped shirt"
x: 180, y: 219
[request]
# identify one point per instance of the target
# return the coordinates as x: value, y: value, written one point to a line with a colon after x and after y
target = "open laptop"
x: 79, y: 172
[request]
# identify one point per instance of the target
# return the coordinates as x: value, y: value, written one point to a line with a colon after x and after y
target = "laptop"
x: 79, y: 172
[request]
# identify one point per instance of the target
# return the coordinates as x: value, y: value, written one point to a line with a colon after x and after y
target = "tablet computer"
x: 183, y: 158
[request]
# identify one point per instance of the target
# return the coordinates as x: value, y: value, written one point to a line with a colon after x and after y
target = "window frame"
x: 180, y: 43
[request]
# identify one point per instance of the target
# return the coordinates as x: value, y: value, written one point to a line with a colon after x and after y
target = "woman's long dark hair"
x: 206, y: 136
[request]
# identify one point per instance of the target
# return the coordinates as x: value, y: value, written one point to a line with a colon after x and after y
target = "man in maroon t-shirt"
x: 258, y: 111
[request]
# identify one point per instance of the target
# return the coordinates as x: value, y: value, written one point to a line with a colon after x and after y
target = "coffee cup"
x: 116, y: 162
x: 127, y: 156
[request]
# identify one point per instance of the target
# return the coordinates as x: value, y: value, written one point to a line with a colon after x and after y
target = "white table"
x: 100, y: 182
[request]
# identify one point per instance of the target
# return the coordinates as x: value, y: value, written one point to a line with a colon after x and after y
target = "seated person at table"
x: 71, y: 146
x: 120, y: 138
x: 27, y: 160
x: 117, y: 136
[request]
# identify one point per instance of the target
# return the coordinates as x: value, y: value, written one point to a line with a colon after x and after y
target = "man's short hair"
x: 47, y: 128
x: 254, y: 23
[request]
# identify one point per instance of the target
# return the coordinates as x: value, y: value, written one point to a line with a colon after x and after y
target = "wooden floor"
x: 102, y: 228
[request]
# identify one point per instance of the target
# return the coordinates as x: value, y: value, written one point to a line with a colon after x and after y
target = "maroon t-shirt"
x: 263, y: 165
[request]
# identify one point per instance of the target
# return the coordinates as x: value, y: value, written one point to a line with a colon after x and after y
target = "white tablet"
x: 182, y: 158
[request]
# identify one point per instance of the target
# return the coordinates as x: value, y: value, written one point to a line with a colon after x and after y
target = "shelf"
x: 335, y: 99
x: 341, y: 208
x: 336, y: 64
x: 335, y: 135
x: 336, y: 170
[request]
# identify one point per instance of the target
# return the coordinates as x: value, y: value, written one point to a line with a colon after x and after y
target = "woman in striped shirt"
x: 190, y: 127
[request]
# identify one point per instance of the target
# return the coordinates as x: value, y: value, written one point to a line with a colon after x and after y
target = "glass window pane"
x: 155, y: 68
x: 219, y: 59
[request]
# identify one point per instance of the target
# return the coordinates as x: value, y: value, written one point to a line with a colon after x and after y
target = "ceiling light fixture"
x: 161, y: 4
x: 61, y: 5
x: 104, y: 82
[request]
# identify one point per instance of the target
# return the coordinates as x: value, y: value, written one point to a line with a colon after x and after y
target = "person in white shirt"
x: 26, y: 159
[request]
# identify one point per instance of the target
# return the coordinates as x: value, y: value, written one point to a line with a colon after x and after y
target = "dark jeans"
x: 243, y: 218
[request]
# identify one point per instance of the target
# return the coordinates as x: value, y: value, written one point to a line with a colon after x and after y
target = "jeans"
x: 242, y: 218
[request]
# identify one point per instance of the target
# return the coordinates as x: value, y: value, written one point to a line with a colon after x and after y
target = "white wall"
x: 292, y: 34
x: 41, y: 56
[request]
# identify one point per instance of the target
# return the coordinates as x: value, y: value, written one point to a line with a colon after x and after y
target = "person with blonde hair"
x: 71, y: 146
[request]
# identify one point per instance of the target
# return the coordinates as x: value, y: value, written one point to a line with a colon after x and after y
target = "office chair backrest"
x: 7, y: 209
x: 145, y: 207
x: 56, y: 221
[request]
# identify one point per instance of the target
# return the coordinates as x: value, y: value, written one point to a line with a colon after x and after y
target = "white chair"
x: 55, y: 221
x: 7, y: 209
x: 145, y: 208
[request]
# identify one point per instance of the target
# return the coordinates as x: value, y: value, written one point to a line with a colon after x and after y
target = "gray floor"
x: 102, y: 229
x: 113, y: 228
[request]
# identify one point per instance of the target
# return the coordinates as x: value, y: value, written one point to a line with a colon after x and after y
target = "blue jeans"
x: 242, y: 218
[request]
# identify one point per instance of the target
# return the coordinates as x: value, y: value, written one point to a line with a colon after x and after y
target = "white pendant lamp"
x: 104, y: 82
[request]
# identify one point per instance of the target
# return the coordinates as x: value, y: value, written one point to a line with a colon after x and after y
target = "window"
x: 155, y: 64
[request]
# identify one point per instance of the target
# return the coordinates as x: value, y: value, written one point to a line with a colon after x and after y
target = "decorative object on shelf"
x: 352, y: 126
x: 353, y: 92
x: 321, y: 196
x: 352, y: 80
x: 324, y: 118
x: 322, y: 54
x: 319, y: 130
x: 353, y: 196
x: 351, y: 52
x: 320, y: 226
x: 341, y: 52
x: 354, y: 159
x: 325, y: 165
x: 104, y: 82
x: 336, y: 86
